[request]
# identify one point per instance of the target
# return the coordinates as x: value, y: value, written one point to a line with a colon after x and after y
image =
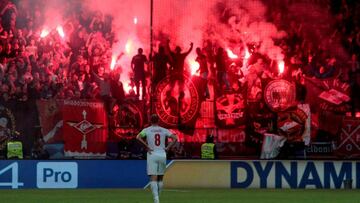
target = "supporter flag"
x: 85, y: 128
x: 271, y: 146
x: 348, y: 143
x: 329, y: 98
x: 328, y: 94
x: 178, y: 101
x: 230, y: 110
x: 50, y: 116
x: 294, y: 124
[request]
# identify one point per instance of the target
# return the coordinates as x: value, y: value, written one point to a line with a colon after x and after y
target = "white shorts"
x: 156, y: 163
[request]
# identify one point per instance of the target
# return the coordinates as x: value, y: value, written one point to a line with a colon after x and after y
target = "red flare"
x: 247, y: 54
x: 60, y: 30
x: 128, y: 46
x: 194, y: 66
x: 231, y: 54
x: 113, y: 62
x: 127, y: 87
x: 281, y: 66
x: 45, y: 32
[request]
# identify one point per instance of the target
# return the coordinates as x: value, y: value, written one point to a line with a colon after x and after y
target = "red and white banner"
x: 50, y: 116
x: 236, y: 135
x: 328, y: 94
x: 85, y: 128
x: 271, y: 146
x: 295, y: 124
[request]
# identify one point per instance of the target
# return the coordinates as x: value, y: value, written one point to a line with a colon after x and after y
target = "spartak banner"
x: 85, y: 128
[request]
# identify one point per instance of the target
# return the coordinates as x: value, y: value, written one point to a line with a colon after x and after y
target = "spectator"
x: 203, y: 69
x: 103, y: 81
x: 161, y: 61
x: 32, y: 49
x: 178, y: 59
x: 4, y: 135
x: 221, y: 64
x: 38, y: 151
x: 138, y: 67
x: 117, y: 89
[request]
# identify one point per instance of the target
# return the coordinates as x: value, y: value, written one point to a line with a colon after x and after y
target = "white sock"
x: 156, y: 200
x: 160, y: 186
x: 155, y: 190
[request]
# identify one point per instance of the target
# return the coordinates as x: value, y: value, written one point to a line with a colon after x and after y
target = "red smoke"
x: 182, y: 22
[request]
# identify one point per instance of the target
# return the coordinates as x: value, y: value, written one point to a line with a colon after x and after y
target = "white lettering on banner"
x: 14, y: 184
x: 83, y: 103
x: 294, y: 174
x: 223, y: 116
x: 57, y: 175
x: 231, y: 136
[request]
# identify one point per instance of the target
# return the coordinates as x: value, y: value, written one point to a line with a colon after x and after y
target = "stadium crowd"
x: 36, y: 65
x: 316, y: 49
x: 39, y: 65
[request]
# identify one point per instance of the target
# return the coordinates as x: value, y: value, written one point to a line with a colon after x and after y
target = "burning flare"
x: 60, y: 30
x: 128, y: 46
x: 135, y: 20
x: 45, y: 32
x: 281, y: 66
x: 194, y: 66
x: 113, y: 62
x: 247, y: 54
x: 231, y: 54
x: 127, y: 86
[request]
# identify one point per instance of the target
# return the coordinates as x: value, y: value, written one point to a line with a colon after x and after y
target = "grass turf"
x: 181, y: 196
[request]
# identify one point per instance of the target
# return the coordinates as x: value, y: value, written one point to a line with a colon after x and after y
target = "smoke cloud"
x: 227, y: 23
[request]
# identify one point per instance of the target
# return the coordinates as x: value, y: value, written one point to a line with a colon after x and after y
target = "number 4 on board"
x: 14, y: 184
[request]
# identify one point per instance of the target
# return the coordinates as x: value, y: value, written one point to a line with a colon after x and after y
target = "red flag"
x: 50, y: 117
x: 85, y: 128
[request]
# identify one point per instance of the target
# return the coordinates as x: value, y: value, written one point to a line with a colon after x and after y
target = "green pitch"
x: 181, y: 196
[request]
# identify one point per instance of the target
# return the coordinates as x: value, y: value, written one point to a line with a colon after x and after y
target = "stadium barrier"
x: 16, y: 174
x: 262, y: 174
x: 72, y: 174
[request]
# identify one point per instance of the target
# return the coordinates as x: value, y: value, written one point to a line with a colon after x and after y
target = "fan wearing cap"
x: 154, y: 138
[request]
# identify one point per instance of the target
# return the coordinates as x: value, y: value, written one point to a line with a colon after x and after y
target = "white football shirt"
x: 156, y: 137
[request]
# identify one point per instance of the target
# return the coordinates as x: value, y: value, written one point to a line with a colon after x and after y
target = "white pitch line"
x: 171, y: 190
x: 167, y: 166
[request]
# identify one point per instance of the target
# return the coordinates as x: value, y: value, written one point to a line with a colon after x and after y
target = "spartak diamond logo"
x: 84, y: 127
